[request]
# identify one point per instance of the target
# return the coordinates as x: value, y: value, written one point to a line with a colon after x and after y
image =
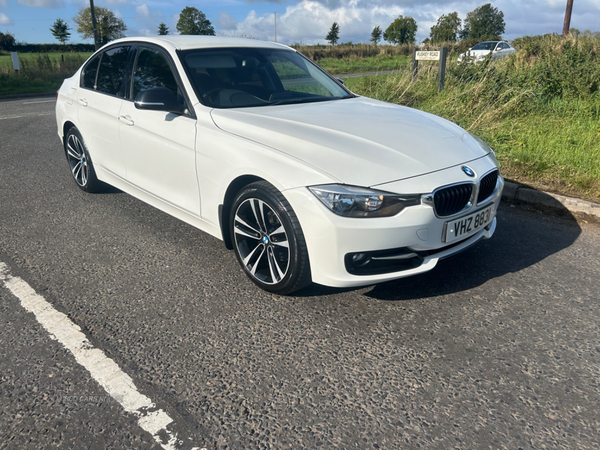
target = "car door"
x: 497, y: 52
x: 158, y: 146
x: 100, y: 97
x: 504, y: 52
x: 508, y: 50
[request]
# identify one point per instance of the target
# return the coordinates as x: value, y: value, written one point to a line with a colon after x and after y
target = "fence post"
x: 442, y: 68
x: 415, y: 64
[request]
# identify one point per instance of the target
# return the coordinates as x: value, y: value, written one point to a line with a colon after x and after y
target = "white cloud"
x: 141, y: 32
x: 4, y: 3
x: 226, y: 21
x: 5, y: 20
x: 148, y: 20
x: 309, y: 21
x: 43, y: 3
x: 173, y: 27
x: 267, y: 1
x: 142, y: 10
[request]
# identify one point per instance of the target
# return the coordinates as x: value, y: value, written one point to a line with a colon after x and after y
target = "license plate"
x: 466, y: 226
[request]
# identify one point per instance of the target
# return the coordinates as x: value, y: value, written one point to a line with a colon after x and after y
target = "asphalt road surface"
x: 497, y: 348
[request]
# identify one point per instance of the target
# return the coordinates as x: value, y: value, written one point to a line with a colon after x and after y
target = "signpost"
x: 429, y: 55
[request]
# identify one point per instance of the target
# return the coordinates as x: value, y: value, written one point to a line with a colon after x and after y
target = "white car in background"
x: 254, y: 144
x: 478, y: 53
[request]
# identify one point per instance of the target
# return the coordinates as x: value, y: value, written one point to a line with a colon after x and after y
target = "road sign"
x: 427, y: 55
x: 433, y: 55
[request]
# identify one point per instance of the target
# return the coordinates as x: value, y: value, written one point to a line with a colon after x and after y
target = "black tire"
x: 268, y: 240
x: 80, y: 162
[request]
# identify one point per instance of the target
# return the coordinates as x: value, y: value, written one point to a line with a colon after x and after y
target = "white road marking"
x: 39, y: 101
x: 103, y: 369
x: 27, y: 115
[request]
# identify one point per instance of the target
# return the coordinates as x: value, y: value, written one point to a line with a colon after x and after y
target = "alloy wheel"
x: 261, y: 241
x: 77, y: 160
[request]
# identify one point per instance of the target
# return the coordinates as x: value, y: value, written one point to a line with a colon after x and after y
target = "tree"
x: 334, y: 34
x: 60, y: 30
x: 109, y: 26
x: 163, y: 29
x: 482, y: 22
x: 7, y: 41
x: 193, y: 21
x: 376, y: 35
x: 401, y: 31
x: 447, y: 28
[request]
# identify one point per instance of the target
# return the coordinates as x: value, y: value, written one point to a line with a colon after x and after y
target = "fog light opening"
x: 360, y: 259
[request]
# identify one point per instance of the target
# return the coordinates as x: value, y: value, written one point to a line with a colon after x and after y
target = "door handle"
x: 126, y: 120
x: 83, y: 102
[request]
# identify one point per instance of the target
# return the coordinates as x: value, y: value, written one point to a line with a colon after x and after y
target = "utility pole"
x: 94, y: 24
x: 567, y: 24
x: 275, y: 25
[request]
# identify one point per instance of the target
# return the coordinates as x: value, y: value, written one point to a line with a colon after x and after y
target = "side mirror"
x: 341, y: 81
x: 158, y: 99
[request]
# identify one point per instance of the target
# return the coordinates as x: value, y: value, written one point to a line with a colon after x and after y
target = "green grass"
x: 6, y: 61
x: 354, y: 64
x: 40, y: 72
x: 540, y: 112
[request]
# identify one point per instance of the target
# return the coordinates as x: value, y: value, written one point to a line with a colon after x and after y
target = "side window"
x: 152, y: 70
x: 112, y: 70
x: 88, y: 79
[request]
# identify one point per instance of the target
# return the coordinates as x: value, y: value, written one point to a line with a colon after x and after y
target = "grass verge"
x: 539, y: 110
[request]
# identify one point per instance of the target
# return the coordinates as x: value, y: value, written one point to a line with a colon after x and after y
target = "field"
x: 356, y: 64
x: 31, y: 58
x: 538, y: 109
x: 40, y: 72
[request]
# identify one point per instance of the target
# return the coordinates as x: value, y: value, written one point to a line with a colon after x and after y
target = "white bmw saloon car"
x: 256, y: 145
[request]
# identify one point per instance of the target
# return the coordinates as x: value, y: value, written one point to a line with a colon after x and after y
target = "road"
x: 496, y: 348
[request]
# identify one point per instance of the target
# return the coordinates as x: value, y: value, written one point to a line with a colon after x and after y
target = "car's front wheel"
x: 80, y: 162
x: 268, y: 240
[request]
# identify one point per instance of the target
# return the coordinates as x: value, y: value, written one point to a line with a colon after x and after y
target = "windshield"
x: 485, y: 46
x: 244, y: 77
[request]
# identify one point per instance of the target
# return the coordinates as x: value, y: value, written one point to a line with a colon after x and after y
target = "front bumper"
x: 331, y: 238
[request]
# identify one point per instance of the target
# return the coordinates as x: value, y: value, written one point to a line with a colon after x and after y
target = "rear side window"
x: 88, y: 79
x: 152, y: 70
x: 112, y: 71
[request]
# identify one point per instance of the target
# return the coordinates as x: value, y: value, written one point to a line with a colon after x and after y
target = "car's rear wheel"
x: 80, y: 162
x: 268, y: 240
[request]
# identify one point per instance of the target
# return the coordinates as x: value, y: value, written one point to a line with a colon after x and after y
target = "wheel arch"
x: 66, y: 127
x: 225, y: 208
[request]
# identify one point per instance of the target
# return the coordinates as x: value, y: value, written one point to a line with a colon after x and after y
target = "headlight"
x: 352, y: 201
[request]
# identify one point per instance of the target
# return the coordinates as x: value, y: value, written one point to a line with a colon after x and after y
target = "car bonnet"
x: 358, y: 141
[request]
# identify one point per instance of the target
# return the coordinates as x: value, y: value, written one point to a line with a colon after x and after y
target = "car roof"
x: 188, y: 42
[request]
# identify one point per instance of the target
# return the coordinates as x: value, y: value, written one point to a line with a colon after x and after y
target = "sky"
x: 298, y: 21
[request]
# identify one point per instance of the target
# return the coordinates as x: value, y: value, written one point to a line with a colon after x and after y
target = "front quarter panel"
x: 222, y: 157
